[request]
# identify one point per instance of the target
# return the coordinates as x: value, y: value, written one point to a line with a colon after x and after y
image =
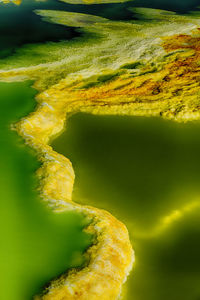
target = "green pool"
x: 146, y: 172
x: 36, y: 244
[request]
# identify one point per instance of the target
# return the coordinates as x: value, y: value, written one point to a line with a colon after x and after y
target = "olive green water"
x: 144, y: 171
x: 36, y: 245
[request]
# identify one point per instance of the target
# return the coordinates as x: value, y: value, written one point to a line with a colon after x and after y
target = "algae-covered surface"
x: 100, y: 112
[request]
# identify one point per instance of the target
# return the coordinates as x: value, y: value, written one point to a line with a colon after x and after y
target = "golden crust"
x: 17, y: 2
x: 111, y: 257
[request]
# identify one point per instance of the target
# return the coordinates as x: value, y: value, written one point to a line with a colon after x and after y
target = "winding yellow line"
x: 17, y: 2
x: 111, y: 257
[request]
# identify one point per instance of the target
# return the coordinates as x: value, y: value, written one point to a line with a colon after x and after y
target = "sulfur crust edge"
x: 111, y: 257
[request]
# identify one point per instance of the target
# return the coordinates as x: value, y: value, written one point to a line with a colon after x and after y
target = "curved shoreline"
x: 111, y: 258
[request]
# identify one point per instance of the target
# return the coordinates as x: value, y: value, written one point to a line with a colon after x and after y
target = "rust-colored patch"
x: 178, y: 77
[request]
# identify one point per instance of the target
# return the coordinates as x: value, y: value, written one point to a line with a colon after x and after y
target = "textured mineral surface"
x: 115, y: 67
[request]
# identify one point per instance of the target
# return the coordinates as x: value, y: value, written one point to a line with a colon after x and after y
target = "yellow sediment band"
x: 111, y: 258
x: 17, y: 2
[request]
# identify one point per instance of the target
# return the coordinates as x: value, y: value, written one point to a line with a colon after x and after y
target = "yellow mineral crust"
x: 166, y: 86
x: 171, y: 91
x: 165, y: 92
x: 17, y: 2
x: 111, y: 257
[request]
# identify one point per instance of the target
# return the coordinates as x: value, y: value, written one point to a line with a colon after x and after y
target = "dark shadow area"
x: 19, y: 25
x: 179, y: 6
x: 120, y: 11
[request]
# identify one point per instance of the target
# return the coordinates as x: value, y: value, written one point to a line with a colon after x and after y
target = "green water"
x: 19, y: 26
x: 142, y: 170
x: 35, y: 245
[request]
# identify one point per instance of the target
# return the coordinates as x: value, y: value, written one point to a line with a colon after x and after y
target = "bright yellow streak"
x: 167, y: 221
x: 17, y: 2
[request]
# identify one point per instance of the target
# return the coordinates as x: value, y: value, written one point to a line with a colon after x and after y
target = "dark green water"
x: 19, y: 25
x: 35, y: 244
x: 142, y: 170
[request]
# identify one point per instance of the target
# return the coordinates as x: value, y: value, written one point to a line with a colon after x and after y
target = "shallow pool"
x: 145, y: 171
